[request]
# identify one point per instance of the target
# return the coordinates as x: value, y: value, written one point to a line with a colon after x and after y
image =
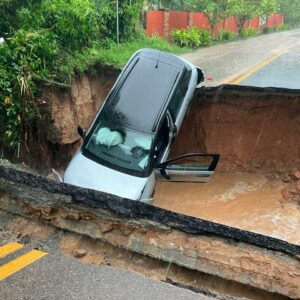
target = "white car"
x: 127, y: 146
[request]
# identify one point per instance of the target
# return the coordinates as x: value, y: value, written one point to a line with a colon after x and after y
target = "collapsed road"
x: 260, y: 261
x: 255, y: 130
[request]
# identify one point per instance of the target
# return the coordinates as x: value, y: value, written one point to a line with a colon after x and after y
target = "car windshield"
x: 119, y: 148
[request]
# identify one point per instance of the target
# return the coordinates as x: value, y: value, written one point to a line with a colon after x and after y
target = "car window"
x: 162, y: 139
x: 143, y: 94
x: 120, y: 148
x: 179, y: 95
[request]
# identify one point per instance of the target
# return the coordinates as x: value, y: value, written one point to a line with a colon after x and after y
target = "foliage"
x: 284, y: 27
x: 267, y: 30
x: 115, y: 56
x: 186, y: 37
x: 268, y: 7
x: 191, y: 37
x: 129, y: 17
x: 248, y: 32
x: 40, y: 38
x: 291, y: 11
x: 205, y: 38
x: 215, y: 11
x: 25, y: 58
x: 243, y: 10
x: 226, y: 35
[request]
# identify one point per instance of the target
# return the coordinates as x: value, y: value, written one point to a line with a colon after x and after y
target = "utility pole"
x: 118, y: 30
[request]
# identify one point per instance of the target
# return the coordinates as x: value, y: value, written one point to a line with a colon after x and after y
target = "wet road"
x: 264, y: 61
x: 54, y: 276
x: 284, y: 72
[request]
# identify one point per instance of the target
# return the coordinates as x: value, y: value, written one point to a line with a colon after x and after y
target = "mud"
x: 250, y: 201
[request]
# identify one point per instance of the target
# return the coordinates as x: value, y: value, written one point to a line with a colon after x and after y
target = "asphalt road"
x: 284, y: 72
x: 271, y: 60
x: 54, y: 276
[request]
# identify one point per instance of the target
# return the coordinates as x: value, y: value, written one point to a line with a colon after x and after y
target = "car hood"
x: 86, y: 173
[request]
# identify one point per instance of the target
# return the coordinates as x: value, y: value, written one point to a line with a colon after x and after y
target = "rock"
x: 79, y: 253
x: 295, y: 174
x: 286, y: 178
x: 286, y: 195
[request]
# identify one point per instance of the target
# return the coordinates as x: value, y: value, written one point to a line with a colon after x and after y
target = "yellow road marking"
x: 254, y: 69
x: 9, y: 248
x: 20, y: 262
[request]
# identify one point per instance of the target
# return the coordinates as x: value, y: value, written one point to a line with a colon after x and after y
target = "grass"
x: 113, y: 55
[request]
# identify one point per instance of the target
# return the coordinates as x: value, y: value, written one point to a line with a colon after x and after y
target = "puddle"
x: 248, y: 201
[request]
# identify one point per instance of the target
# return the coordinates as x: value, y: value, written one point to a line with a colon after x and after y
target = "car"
x: 126, y: 148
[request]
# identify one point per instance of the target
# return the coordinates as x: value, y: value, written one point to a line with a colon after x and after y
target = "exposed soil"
x: 100, y: 253
x: 250, y: 201
x: 253, y: 131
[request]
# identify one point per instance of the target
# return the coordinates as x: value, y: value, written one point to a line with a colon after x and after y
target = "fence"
x: 163, y: 22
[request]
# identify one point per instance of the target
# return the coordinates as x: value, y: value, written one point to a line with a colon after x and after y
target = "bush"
x: 205, y: 37
x: 191, y: 37
x: 283, y: 27
x: 267, y: 30
x: 45, y: 41
x: 226, y: 35
x: 248, y: 32
x: 25, y: 59
x: 186, y: 37
x: 129, y: 18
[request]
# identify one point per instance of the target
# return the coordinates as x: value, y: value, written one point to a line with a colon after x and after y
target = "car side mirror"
x: 81, y: 132
x: 201, y: 76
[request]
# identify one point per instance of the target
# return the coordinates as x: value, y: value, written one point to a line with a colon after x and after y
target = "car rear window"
x: 143, y: 94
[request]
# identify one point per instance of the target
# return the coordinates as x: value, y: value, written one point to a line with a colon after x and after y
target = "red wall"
x: 200, y: 20
x: 162, y: 23
x: 155, y: 23
x: 178, y: 19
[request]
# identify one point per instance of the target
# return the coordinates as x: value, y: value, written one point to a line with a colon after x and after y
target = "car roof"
x: 141, y: 95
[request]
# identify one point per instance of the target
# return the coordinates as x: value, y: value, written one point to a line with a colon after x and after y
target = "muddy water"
x: 249, y: 201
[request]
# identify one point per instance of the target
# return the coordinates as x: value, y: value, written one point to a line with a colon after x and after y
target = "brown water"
x: 249, y: 201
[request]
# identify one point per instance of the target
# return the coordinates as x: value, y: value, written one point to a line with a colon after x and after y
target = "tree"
x: 269, y: 7
x: 243, y: 10
x: 215, y: 11
x: 291, y: 11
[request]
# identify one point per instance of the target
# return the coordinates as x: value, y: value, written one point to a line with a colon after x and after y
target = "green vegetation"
x: 191, y: 37
x: 218, y: 10
x: 226, y: 35
x: 248, y: 32
x: 115, y: 56
x: 291, y: 11
x: 48, y: 41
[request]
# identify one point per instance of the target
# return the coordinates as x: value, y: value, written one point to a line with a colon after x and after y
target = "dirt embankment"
x: 254, y: 130
x: 68, y: 109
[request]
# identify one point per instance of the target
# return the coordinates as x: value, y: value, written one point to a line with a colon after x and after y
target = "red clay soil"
x: 252, y: 131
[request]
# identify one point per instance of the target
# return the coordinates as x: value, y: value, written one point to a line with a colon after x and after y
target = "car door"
x: 193, y: 167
